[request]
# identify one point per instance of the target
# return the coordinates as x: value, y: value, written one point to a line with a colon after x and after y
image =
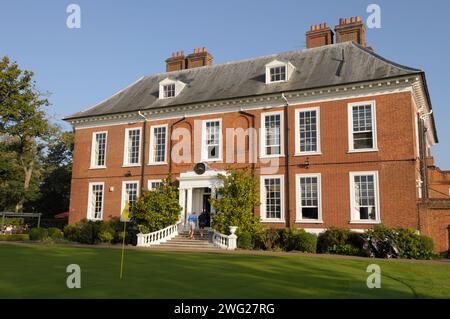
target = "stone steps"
x: 183, y: 242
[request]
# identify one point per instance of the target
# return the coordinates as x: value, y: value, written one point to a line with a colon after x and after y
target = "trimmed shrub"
x: 55, y: 233
x: 106, y: 232
x: 84, y: 232
x: 332, y: 237
x: 296, y: 239
x: 14, y: 237
x: 304, y: 241
x: 39, y: 234
x: 245, y: 241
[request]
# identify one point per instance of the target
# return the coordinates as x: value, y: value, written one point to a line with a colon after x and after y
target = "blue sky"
x: 120, y: 41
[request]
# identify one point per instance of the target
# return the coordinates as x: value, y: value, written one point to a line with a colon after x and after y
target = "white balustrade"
x: 228, y: 242
x: 159, y: 236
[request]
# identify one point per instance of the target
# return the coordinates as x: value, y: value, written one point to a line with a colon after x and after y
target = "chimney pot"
x: 326, y: 25
x: 358, y: 19
x: 352, y: 19
x: 195, y: 50
x: 346, y: 20
x: 182, y: 53
x: 341, y: 21
x: 204, y: 49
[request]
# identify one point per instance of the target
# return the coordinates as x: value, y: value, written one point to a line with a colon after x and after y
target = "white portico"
x: 196, y: 189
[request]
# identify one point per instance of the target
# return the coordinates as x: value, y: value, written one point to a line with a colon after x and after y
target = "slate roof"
x: 324, y: 66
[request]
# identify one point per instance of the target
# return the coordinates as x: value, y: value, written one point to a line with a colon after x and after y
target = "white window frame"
x: 263, y: 134
x: 123, y: 195
x: 354, y: 219
x: 89, y: 214
x: 150, y: 181
x: 151, y: 151
x: 204, y: 146
x: 275, y: 64
x: 263, y: 216
x: 298, y: 152
x: 93, y: 146
x: 298, y: 216
x: 179, y: 86
x: 126, y: 160
x: 351, y: 148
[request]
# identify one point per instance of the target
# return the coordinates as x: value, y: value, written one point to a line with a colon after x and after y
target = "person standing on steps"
x: 202, y: 221
x: 193, y: 219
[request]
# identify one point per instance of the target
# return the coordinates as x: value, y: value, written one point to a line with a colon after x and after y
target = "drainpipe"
x: 253, y: 127
x: 253, y: 159
x: 286, y: 161
x: 170, y: 143
x: 143, y: 148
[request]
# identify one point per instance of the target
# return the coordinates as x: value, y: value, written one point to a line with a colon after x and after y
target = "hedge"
x: 14, y: 237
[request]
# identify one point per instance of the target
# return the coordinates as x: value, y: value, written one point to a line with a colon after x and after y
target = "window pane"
x: 278, y: 74
x: 365, y: 197
x: 309, y: 197
x: 273, y: 197
x: 308, y: 131
x: 131, y: 193
x: 272, y: 126
x: 362, y: 126
x: 169, y: 90
x: 159, y: 144
x: 213, y: 131
x: 97, y: 201
x: 134, y: 141
x: 100, y: 149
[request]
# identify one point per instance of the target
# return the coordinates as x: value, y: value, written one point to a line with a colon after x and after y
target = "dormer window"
x: 278, y: 71
x: 169, y: 88
x: 278, y: 74
x: 169, y: 91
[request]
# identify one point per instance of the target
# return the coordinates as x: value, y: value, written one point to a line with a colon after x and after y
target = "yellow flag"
x: 125, y: 211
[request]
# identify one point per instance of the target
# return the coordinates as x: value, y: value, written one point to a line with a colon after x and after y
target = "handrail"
x: 228, y: 242
x: 159, y: 236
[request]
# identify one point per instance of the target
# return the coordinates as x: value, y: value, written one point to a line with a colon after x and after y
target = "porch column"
x: 189, y: 202
x: 182, y: 202
x: 213, y: 195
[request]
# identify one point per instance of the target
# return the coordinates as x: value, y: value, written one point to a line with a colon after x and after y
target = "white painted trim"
x: 179, y: 86
x: 355, y: 219
x: 204, y: 151
x: 125, y: 147
x: 150, y: 181
x: 297, y: 131
x: 152, y: 136
x: 89, y: 206
x: 123, y: 194
x: 263, y: 217
x: 297, y: 98
x: 350, y: 106
x: 289, y: 69
x: 262, y: 143
x: 298, y: 199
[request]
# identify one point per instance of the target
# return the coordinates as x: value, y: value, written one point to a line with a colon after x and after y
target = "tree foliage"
x: 157, y: 209
x: 235, y: 203
x: 23, y: 122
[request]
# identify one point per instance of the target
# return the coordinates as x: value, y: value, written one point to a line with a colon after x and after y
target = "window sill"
x: 131, y: 165
x: 366, y: 150
x: 157, y: 163
x: 97, y: 167
x: 308, y: 221
x: 276, y: 221
x: 270, y: 156
x: 367, y: 222
x: 308, y: 154
x: 219, y: 160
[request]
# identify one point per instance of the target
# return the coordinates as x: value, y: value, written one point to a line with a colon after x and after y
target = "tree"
x: 157, y: 209
x: 54, y: 189
x: 22, y: 120
x: 235, y: 203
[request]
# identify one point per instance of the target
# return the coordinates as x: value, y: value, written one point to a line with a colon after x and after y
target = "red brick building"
x: 337, y: 135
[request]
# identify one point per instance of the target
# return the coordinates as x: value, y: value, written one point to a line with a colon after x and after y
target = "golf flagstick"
x: 125, y: 218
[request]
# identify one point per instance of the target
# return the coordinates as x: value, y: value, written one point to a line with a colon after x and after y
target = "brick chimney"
x: 319, y: 35
x: 199, y: 58
x: 352, y: 30
x: 176, y: 62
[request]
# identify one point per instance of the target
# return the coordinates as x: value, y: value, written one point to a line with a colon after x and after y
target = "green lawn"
x: 29, y: 271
